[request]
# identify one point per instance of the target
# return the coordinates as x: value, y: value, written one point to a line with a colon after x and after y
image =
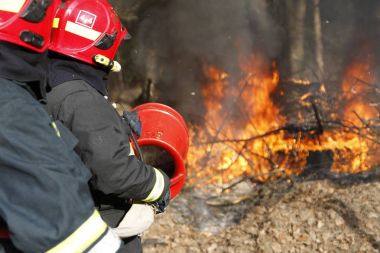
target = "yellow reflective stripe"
x: 82, y: 31
x: 57, y: 132
x: 158, y: 187
x: 82, y: 238
x: 56, y: 22
x: 11, y: 5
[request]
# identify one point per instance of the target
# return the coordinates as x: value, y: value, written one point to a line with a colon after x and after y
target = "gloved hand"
x: 137, y: 220
x: 161, y: 204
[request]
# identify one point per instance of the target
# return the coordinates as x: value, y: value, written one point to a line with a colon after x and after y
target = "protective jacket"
x: 44, y: 197
x: 77, y: 99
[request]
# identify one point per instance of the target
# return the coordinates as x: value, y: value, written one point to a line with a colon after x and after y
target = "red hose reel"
x: 164, y: 141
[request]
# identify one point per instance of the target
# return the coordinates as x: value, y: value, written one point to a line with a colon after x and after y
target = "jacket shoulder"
x: 60, y: 92
x: 64, y: 98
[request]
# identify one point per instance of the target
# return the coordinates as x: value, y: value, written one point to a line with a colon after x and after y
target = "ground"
x: 308, y: 216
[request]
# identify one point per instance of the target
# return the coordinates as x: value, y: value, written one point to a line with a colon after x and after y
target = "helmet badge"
x: 86, y: 18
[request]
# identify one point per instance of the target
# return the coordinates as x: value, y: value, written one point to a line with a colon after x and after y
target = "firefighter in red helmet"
x: 86, y: 35
x: 45, y: 202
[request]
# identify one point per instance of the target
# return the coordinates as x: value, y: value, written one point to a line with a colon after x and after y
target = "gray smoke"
x: 175, y: 38
x: 172, y: 39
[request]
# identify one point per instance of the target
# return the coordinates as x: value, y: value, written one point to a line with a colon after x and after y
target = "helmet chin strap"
x: 106, y: 62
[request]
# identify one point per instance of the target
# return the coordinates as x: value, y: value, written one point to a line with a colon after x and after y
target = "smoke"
x: 350, y: 31
x: 174, y: 40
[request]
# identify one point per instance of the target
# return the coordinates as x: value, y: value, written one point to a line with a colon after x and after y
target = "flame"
x: 245, y: 133
x: 359, y: 81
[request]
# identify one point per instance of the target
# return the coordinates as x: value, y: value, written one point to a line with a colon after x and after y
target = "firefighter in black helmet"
x: 45, y: 203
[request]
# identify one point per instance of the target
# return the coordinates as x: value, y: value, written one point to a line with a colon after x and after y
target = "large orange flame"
x: 245, y: 134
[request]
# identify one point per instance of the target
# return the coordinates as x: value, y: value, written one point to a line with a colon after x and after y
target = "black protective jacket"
x: 78, y: 100
x: 44, y: 196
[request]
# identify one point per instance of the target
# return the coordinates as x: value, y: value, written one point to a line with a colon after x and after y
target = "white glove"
x: 138, y: 219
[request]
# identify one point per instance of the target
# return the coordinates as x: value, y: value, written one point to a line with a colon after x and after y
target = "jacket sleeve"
x: 105, y: 148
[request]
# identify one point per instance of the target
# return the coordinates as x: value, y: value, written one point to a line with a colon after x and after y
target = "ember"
x: 246, y: 134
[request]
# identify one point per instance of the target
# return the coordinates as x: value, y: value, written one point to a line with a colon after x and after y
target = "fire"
x: 359, y: 81
x: 245, y: 133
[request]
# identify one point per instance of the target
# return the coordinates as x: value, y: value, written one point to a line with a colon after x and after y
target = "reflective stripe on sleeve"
x: 158, y: 187
x: 13, y: 6
x: 57, y: 132
x: 84, y: 237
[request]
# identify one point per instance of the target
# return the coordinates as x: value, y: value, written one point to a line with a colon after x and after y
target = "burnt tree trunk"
x: 296, y: 10
x: 318, y: 40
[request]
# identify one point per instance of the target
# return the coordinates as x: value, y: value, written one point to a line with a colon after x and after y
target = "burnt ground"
x: 319, y: 215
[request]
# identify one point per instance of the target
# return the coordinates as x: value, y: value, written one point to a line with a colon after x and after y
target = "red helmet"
x: 27, y: 22
x: 87, y: 30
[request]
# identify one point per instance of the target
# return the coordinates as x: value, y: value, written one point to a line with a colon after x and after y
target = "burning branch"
x: 290, y: 129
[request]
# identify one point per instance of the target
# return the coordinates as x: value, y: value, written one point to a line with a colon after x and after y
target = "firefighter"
x: 86, y: 35
x: 45, y: 202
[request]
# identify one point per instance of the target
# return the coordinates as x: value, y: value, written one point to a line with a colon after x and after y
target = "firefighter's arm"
x: 105, y: 148
x: 159, y: 196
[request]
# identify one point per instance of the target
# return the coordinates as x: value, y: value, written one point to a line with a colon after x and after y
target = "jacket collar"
x: 24, y: 66
x: 63, y: 69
